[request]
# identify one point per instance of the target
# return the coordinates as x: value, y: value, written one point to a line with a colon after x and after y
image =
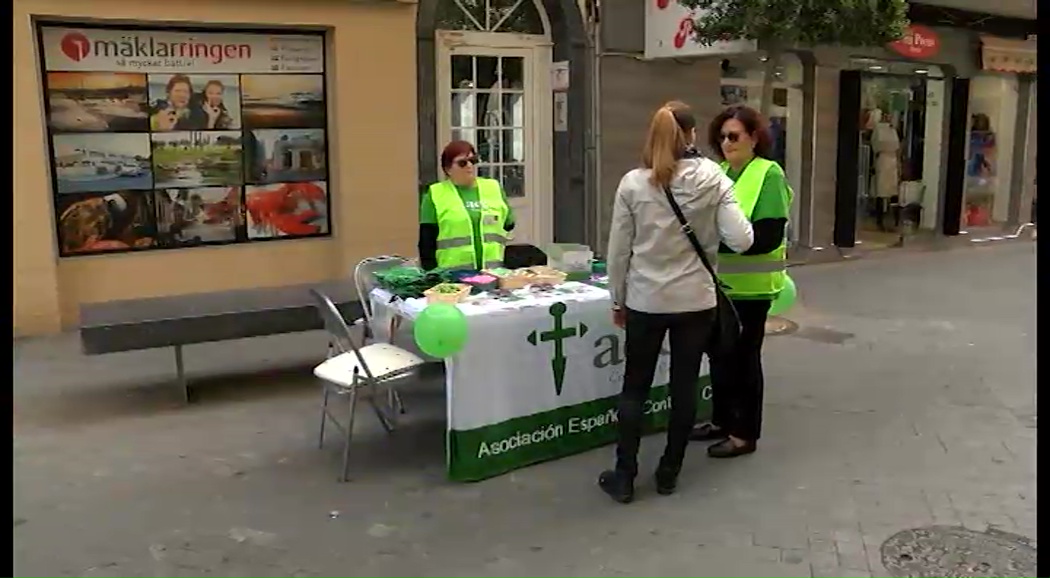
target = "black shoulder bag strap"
x: 691, y: 235
x: 727, y: 326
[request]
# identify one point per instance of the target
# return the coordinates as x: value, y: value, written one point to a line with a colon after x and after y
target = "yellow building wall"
x: 371, y: 70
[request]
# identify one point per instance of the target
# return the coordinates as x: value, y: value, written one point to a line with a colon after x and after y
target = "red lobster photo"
x: 289, y: 208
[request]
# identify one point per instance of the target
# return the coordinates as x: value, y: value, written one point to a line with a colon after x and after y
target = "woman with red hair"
x: 463, y: 219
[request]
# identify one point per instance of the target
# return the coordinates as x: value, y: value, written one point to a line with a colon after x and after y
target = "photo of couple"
x: 194, y: 102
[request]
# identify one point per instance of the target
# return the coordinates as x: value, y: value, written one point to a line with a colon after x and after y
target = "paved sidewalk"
x: 906, y: 398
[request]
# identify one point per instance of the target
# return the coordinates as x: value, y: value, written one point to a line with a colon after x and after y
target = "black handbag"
x: 726, y: 331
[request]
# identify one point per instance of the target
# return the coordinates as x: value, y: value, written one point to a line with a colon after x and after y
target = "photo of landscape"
x: 283, y: 100
x: 105, y: 222
x: 97, y: 102
x: 283, y: 155
x: 194, y: 159
x: 188, y: 217
x: 102, y: 162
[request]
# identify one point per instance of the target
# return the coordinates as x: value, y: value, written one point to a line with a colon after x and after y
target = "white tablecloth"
x: 537, y: 379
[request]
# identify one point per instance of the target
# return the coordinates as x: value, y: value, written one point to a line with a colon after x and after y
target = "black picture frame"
x: 61, y: 201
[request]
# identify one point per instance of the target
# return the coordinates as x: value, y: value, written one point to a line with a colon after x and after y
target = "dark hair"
x: 455, y: 149
x: 179, y: 79
x: 211, y: 83
x: 754, y: 123
x: 667, y: 141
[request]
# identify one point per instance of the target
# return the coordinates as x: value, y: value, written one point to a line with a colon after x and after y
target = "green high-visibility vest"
x: 455, y: 242
x: 753, y: 275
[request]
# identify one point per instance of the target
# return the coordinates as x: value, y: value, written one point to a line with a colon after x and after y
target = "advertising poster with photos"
x: 175, y: 138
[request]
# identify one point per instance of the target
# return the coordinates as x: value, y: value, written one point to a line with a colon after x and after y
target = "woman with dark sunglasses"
x: 463, y: 219
x: 753, y: 278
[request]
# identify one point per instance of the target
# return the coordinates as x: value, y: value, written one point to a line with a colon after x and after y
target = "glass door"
x: 487, y: 97
x: 892, y: 157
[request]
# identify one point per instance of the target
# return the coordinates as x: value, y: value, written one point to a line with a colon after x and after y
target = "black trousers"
x: 690, y: 333
x: 736, y: 378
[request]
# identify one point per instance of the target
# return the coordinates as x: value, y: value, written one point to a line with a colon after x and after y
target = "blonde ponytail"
x: 666, y: 141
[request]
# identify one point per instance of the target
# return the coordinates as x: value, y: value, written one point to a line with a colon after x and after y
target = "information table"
x: 537, y: 379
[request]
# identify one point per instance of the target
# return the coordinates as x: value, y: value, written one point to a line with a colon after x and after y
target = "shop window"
x: 989, y: 158
x: 898, y: 173
x: 521, y: 16
x: 172, y: 138
x: 742, y: 84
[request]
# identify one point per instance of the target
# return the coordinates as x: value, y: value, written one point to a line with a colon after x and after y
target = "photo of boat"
x: 283, y: 100
x: 97, y: 102
x: 102, y: 162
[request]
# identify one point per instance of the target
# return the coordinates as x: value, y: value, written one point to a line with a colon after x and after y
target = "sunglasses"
x: 730, y: 136
x: 462, y: 163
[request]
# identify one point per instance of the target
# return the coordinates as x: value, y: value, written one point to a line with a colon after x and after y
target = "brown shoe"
x: 707, y: 432
x: 728, y: 449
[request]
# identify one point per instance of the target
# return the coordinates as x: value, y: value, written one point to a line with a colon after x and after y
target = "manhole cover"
x: 954, y: 551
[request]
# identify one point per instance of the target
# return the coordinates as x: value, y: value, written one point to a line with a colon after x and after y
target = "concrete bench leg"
x: 180, y: 374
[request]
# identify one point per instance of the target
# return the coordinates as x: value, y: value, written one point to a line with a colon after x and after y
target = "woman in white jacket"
x: 660, y: 286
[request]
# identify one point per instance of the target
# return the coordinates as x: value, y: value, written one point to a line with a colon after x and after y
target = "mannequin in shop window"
x: 886, y: 144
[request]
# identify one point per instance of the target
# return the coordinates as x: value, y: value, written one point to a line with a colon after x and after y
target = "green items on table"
x: 440, y: 330
x: 410, y: 282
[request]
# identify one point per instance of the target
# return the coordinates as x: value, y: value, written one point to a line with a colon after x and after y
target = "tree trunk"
x: 768, y: 76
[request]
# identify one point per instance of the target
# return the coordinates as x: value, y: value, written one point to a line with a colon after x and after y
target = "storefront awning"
x: 1006, y: 55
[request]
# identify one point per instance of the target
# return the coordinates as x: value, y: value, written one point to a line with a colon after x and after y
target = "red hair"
x: 455, y: 149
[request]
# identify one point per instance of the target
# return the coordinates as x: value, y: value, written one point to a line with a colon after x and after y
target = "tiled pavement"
x: 905, y: 399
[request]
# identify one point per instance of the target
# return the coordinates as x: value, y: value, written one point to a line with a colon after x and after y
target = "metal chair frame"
x: 341, y: 342
x: 364, y: 282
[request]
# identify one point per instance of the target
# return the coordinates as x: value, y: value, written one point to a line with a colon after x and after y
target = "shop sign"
x: 165, y: 139
x: 115, y: 50
x: 918, y: 42
x: 668, y: 33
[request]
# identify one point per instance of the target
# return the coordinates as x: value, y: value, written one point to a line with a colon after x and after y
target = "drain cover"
x: 955, y: 551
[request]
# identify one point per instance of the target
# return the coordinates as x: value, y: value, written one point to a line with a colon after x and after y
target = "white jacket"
x: 652, y: 266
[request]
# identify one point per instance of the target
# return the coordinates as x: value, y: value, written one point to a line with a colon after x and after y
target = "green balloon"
x: 785, y: 299
x: 440, y: 330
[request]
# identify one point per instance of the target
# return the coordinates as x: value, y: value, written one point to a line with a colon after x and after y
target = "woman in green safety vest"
x: 463, y: 219
x: 740, y: 138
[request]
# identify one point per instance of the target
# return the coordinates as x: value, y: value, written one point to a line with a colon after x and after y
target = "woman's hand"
x: 619, y: 317
x: 212, y: 113
x: 166, y: 119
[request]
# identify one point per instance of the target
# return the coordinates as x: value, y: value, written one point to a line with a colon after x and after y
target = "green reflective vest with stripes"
x: 455, y: 242
x: 753, y: 275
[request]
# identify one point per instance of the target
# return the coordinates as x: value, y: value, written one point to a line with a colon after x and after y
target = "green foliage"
x: 778, y: 24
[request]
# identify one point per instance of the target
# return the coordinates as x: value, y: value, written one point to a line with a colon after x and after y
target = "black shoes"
x: 666, y: 481
x: 726, y: 449
x: 619, y: 485
x: 707, y: 432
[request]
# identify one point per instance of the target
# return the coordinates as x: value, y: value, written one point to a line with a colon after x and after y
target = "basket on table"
x: 447, y: 293
x: 520, y: 278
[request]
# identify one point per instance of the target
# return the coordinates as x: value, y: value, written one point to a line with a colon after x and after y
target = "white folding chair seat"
x: 350, y: 369
x: 386, y: 362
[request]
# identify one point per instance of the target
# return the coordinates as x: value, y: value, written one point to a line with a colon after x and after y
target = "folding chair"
x: 349, y: 369
x: 364, y: 283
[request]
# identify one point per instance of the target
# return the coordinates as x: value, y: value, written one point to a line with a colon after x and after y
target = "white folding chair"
x: 349, y: 369
x: 364, y: 283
